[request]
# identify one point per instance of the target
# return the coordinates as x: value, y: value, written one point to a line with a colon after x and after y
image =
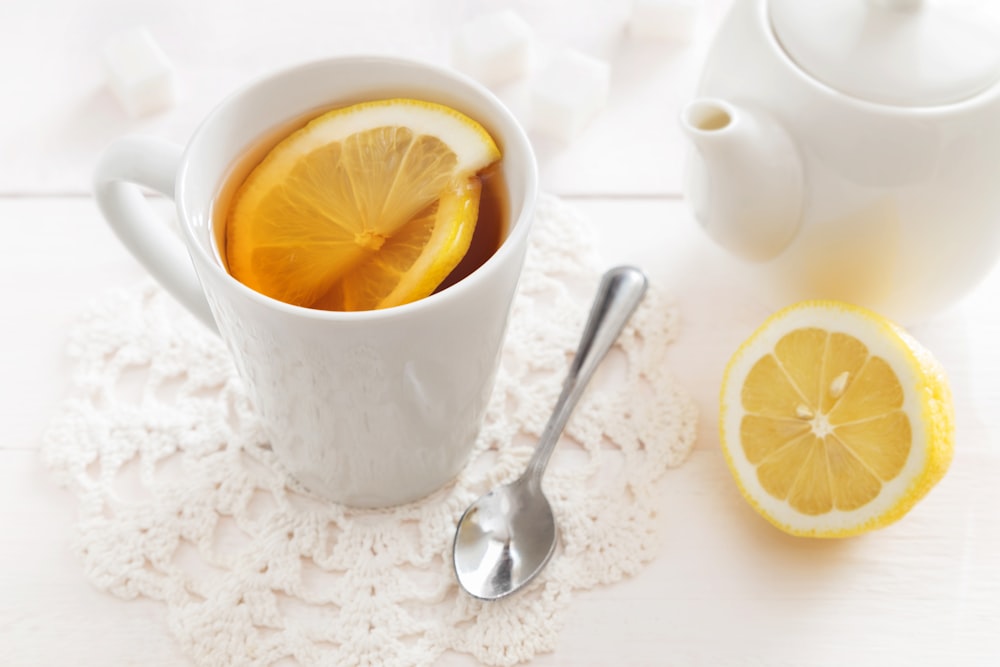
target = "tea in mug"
x: 363, y: 207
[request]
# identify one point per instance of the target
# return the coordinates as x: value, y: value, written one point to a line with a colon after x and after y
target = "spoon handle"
x: 619, y: 294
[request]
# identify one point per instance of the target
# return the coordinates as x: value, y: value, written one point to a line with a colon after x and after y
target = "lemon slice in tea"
x: 367, y: 206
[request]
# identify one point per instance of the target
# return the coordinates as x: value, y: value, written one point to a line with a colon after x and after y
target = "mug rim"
x: 518, y: 228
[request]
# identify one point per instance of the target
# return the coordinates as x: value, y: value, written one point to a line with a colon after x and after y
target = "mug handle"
x: 127, y: 164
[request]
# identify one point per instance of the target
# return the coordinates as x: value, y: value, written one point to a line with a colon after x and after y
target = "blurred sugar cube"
x: 664, y: 19
x: 139, y: 72
x: 568, y: 93
x: 493, y: 48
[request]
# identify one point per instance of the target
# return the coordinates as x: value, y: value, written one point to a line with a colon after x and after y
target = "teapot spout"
x: 744, y: 178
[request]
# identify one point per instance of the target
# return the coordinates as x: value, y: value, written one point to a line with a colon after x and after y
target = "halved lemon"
x: 367, y: 206
x: 834, y: 421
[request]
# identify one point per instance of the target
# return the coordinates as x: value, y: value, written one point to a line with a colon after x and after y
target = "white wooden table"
x: 727, y: 590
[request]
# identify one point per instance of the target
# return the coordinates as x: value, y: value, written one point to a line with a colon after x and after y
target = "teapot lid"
x: 897, y: 52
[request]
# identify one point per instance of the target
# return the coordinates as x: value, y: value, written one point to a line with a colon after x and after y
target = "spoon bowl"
x: 505, y: 538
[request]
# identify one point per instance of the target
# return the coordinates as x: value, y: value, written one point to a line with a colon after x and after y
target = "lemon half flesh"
x: 834, y: 421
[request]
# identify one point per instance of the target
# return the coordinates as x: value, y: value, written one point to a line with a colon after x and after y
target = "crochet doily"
x: 180, y: 501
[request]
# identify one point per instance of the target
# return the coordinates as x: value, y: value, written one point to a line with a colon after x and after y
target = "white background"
x: 727, y: 589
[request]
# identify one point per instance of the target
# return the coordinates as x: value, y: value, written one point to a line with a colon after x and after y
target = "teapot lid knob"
x: 911, y: 53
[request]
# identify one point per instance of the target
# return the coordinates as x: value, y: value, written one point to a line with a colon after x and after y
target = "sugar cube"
x: 664, y: 19
x: 493, y: 48
x: 139, y: 73
x: 568, y: 93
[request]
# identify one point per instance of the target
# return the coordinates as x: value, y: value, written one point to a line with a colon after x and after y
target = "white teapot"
x: 853, y: 148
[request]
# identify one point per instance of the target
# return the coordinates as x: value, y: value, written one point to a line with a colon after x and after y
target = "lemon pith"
x: 833, y: 420
x: 367, y: 206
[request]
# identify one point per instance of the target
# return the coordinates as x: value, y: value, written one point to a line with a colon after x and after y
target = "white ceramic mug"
x: 368, y: 408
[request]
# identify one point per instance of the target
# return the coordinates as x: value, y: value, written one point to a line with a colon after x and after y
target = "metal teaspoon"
x: 506, y: 537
